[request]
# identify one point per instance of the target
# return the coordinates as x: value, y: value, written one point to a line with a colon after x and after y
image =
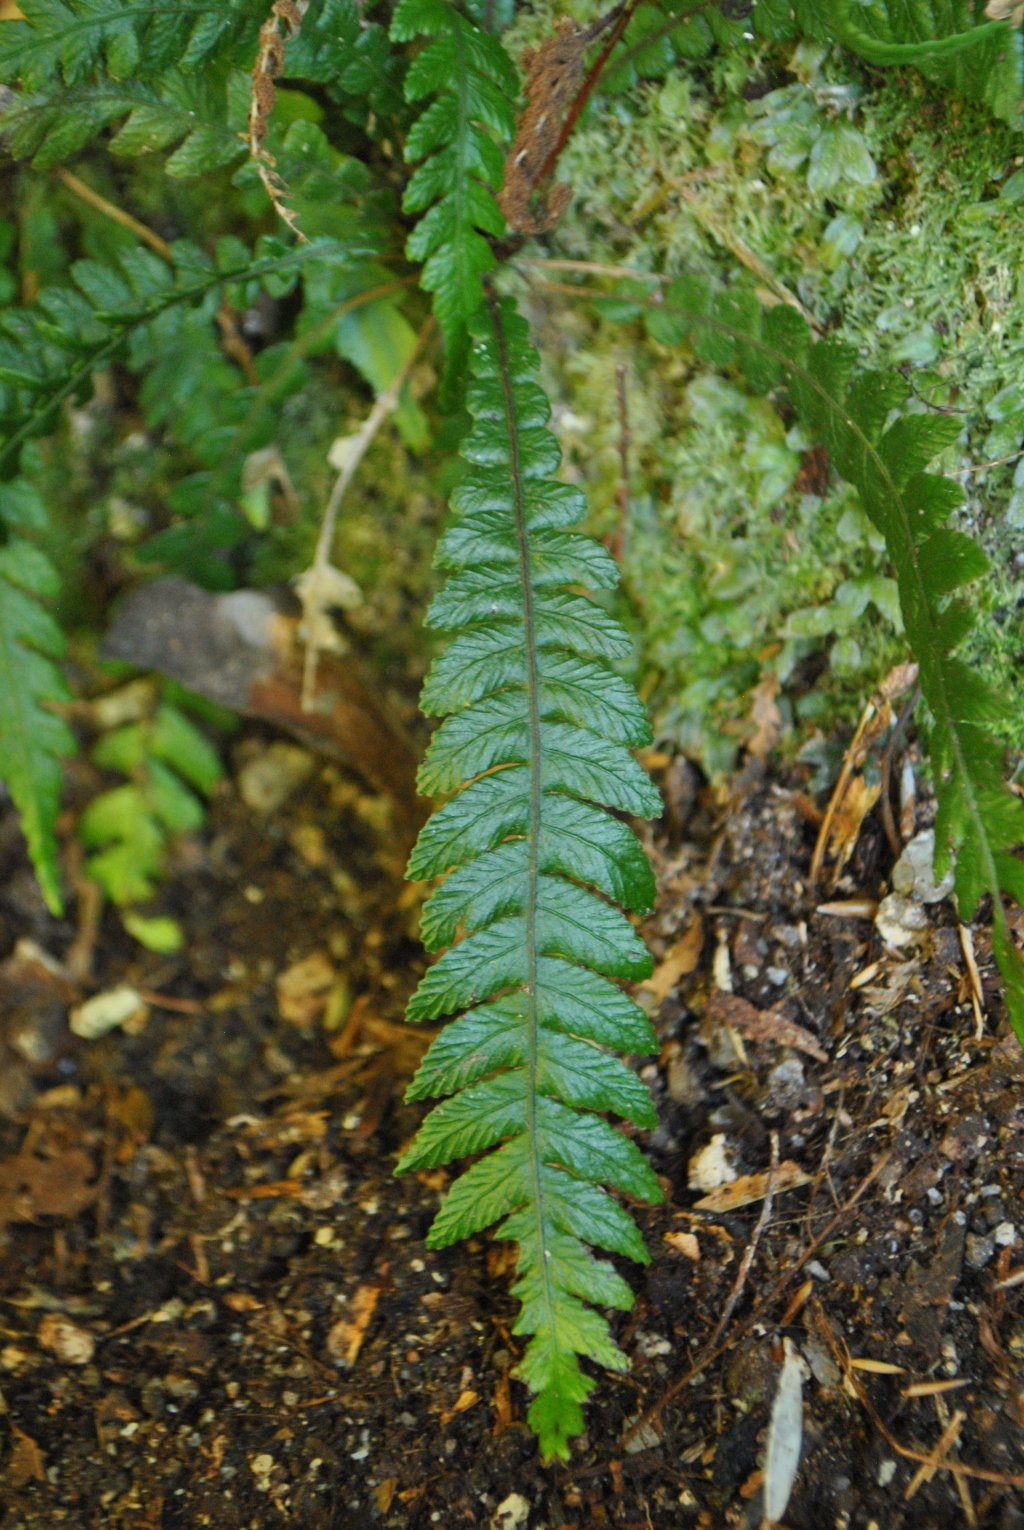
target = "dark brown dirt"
x: 208, y: 1206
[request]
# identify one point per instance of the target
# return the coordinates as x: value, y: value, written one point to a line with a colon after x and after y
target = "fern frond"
x: 460, y: 138
x: 979, y: 820
x: 535, y: 866
x: 72, y: 40
x: 32, y: 738
x: 950, y: 41
x: 49, y: 352
x: 128, y: 826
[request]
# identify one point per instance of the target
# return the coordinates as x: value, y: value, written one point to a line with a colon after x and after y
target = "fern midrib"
x: 877, y: 51
x: 462, y: 150
x: 807, y: 377
x: 533, y: 857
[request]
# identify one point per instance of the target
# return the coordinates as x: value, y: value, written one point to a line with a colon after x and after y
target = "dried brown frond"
x: 269, y: 64
x: 554, y: 76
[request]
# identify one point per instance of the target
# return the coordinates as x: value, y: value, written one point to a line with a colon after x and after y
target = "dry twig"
x: 712, y: 1352
x: 117, y: 214
x: 316, y: 584
x: 751, y: 1248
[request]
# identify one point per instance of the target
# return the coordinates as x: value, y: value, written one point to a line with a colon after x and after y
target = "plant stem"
x: 117, y: 214
x: 385, y: 406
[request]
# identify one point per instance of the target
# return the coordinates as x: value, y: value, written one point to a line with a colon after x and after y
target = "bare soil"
x: 216, y: 1307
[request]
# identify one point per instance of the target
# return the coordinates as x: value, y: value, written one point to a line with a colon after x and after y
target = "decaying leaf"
x: 26, y: 1461
x: 303, y: 990
x: 753, y: 1187
x: 858, y: 800
x: 554, y: 74
x: 765, y: 716
x: 345, y: 1339
x: 685, y: 1244
x: 785, y: 1434
x: 462, y: 1404
x: 32, y: 1187
x: 680, y: 960
x: 763, y: 1025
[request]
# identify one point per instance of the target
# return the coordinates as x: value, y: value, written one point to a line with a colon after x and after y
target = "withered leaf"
x: 763, y: 1025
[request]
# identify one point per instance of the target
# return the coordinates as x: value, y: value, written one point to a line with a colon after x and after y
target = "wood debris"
x: 763, y: 1025
x: 753, y: 1187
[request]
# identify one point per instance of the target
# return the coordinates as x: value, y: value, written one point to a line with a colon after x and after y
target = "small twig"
x: 78, y: 961
x: 712, y: 1353
x: 619, y: 539
x: 233, y: 345
x: 981, y: 467
x: 385, y: 406
x: 1001, y: 1479
x: 974, y: 978
x: 850, y: 761
x: 168, y: 1001
x: 892, y: 833
x: 117, y: 214
x: 936, y: 1458
x: 751, y: 1248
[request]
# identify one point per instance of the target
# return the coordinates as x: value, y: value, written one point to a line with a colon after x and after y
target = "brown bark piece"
x: 763, y: 1025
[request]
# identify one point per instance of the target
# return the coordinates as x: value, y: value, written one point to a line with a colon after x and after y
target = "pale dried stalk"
x: 269, y: 64
x: 386, y: 404
x: 751, y: 1248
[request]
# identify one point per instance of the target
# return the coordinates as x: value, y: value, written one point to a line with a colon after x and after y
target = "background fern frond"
x: 460, y: 138
x: 979, y: 820
x: 539, y: 729
x: 954, y: 44
x: 32, y: 738
x: 49, y: 352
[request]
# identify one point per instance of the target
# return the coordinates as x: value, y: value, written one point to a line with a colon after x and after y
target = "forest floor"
x: 216, y: 1307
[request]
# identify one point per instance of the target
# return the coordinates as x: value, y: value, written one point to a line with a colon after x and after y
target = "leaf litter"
x: 209, y: 1204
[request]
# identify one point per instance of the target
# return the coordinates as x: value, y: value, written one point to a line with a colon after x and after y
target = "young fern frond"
x: 460, y: 137
x: 979, y: 820
x: 952, y: 43
x: 535, y: 864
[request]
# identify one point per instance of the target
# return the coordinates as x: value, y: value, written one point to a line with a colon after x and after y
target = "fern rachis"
x: 534, y: 869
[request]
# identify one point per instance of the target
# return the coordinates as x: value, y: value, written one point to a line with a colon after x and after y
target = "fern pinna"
x: 540, y: 729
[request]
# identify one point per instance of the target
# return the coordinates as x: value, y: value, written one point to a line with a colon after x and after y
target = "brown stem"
x: 892, y: 833
x: 619, y: 539
x: 587, y: 90
x: 117, y: 214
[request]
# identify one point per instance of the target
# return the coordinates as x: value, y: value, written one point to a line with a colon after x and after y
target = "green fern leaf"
x: 948, y: 40
x: 537, y: 742
x: 459, y: 138
x: 979, y: 821
x: 32, y: 738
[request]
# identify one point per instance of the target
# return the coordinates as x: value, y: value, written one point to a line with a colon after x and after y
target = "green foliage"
x: 32, y: 738
x: 458, y: 137
x: 83, y: 64
x: 128, y: 827
x: 951, y: 43
x: 849, y: 410
x: 540, y: 729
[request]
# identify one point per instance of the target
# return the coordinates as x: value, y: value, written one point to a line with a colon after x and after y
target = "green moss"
x: 893, y: 213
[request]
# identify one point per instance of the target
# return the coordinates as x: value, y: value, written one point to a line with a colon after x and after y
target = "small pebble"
x: 818, y: 1270
x: 886, y: 1472
x: 1005, y: 1235
x: 118, y: 1006
x: 72, y: 1345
